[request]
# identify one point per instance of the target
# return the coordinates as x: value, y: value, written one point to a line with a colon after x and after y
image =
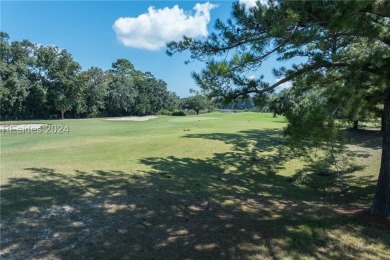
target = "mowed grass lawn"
x: 214, y: 186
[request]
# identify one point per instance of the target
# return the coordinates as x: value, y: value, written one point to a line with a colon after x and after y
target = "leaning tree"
x: 346, y: 43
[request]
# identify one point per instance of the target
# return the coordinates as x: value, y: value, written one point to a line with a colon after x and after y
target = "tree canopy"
x: 39, y: 81
x: 345, y: 46
x: 197, y: 103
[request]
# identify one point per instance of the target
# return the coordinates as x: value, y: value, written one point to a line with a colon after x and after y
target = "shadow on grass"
x: 365, y: 138
x: 231, y: 206
x: 338, y: 189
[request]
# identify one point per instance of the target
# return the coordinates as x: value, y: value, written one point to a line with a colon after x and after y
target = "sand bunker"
x: 132, y: 118
x: 21, y: 127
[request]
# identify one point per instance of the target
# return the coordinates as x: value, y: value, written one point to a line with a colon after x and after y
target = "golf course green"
x: 217, y: 185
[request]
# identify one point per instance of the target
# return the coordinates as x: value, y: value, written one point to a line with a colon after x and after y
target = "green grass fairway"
x: 213, y: 186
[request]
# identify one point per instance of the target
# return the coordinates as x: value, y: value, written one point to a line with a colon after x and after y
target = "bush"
x: 178, y: 113
x: 164, y: 112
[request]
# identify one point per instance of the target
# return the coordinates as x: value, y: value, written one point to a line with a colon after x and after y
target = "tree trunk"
x: 62, y: 113
x: 197, y: 112
x: 383, y: 122
x: 355, y: 124
x: 381, y: 204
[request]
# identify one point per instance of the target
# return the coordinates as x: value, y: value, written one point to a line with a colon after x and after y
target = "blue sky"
x: 86, y: 29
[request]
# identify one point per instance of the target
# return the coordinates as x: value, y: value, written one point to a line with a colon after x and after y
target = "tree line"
x: 38, y: 82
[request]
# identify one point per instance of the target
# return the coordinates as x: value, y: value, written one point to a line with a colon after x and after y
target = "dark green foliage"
x: 280, y: 103
x: 178, y: 113
x: 14, y: 72
x: 196, y: 103
x: 121, y: 94
x: 94, y: 92
x: 45, y: 82
x: 153, y: 95
x: 246, y: 103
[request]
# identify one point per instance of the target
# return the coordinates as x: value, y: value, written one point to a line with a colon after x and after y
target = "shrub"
x: 164, y: 112
x: 178, y: 113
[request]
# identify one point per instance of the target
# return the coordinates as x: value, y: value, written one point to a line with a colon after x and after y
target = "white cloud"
x: 282, y: 86
x: 252, y: 3
x: 152, y: 30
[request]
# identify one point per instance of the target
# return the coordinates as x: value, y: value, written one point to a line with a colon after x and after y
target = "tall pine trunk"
x: 355, y: 124
x: 381, y: 204
x: 383, y: 122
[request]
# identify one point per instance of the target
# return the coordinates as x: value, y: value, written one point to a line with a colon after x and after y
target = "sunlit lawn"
x: 196, y: 187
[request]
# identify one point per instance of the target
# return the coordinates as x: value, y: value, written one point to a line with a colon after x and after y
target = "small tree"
x: 196, y: 103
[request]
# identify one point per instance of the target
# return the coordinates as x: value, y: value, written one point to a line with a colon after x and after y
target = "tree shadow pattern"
x: 230, y: 206
x: 366, y: 138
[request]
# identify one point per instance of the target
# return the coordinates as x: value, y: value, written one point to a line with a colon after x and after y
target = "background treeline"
x: 249, y: 103
x: 39, y: 82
